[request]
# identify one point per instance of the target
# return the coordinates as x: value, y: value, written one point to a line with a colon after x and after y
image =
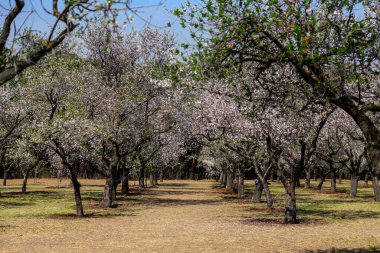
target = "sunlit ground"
x: 184, y: 216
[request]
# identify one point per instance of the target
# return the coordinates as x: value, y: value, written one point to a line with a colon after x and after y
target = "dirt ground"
x: 183, y: 216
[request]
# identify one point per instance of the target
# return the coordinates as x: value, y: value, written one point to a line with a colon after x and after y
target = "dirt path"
x: 183, y: 216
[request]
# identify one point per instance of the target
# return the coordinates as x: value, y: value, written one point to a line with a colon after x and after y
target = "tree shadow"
x: 357, y: 250
x: 9, y: 204
x: 174, y: 184
x: 168, y: 202
x: 339, y: 214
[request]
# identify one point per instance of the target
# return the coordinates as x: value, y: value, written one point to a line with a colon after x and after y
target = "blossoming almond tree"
x: 60, y: 18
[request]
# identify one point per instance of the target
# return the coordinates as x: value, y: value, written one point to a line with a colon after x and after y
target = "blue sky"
x: 156, y: 15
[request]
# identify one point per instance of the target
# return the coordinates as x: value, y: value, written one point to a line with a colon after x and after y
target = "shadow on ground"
x: 359, y: 250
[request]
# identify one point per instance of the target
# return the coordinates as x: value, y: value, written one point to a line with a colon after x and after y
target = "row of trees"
x: 308, y: 59
x: 275, y: 88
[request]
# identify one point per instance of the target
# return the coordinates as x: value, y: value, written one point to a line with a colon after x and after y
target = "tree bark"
x: 221, y: 178
x: 354, y: 185
x: 141, y: 178
x: 307, y: 179
x: 108, y: 194
x: 240, y: 186
x: 78, y: 198
x: 258, y: 191
x: 290, y: 202
x: 125, y: 181
x: 229, y: 180
x: 333, y: 182
x: 5, y: 178
x: 224, y: 181
x: 268, y: 195
x: 25, y: 181
x: 322, y: 180
x: 151, y: 180
x: 125, y: 185
x: 376, y: 187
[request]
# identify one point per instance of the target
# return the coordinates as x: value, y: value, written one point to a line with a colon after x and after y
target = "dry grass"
x: 183, y: 216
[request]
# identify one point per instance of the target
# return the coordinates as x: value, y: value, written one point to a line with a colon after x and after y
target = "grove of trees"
x: 285, y: 90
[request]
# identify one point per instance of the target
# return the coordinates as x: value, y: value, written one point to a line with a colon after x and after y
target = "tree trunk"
x: 298, y: 182
x: 376, y: 187
x: 78, y: 198
x: 224, y: 182
x: 151, y: 180
x: 229, y: 180
x: 258, y: 191
x: 333, y: 182
x: 240, y: 186
x: 272, y: 176
x: 307, y: 179
x: 323, y: 177
x: 108, y: 194
x: 315, y: 174
x: 125, y: 185
x: 155, y: 179
x: 161, y: 175
x: 290, y: 202
x: 366, y: 178
x: 125, y: 180
x: 354, y: 185
x: 25, y: 181
x: 221, y: 178
x: 141, y: 178
x: 5, y: 178
x: 340, y: 177
x: 268, y: 195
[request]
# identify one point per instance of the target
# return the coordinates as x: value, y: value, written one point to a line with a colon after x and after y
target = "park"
x: 190, y: 126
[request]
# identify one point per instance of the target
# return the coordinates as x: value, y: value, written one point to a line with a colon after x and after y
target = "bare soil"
x: 184, y: 216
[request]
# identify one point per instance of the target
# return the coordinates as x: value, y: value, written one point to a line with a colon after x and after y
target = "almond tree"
x: 62, y: 96
x: 131, y: 66
x: 67, y: 17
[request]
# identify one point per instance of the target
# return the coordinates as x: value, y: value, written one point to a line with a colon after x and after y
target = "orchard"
x: 260, y: 132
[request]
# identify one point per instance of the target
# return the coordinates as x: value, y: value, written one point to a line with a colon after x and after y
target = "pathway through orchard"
x: 182, y: 216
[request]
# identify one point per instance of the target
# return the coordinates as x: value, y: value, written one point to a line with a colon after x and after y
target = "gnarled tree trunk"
x: 78, y: 197
x: 108, y: 193
x: 290, y: 202
x: 268, y: 195
x: 258, y: 191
